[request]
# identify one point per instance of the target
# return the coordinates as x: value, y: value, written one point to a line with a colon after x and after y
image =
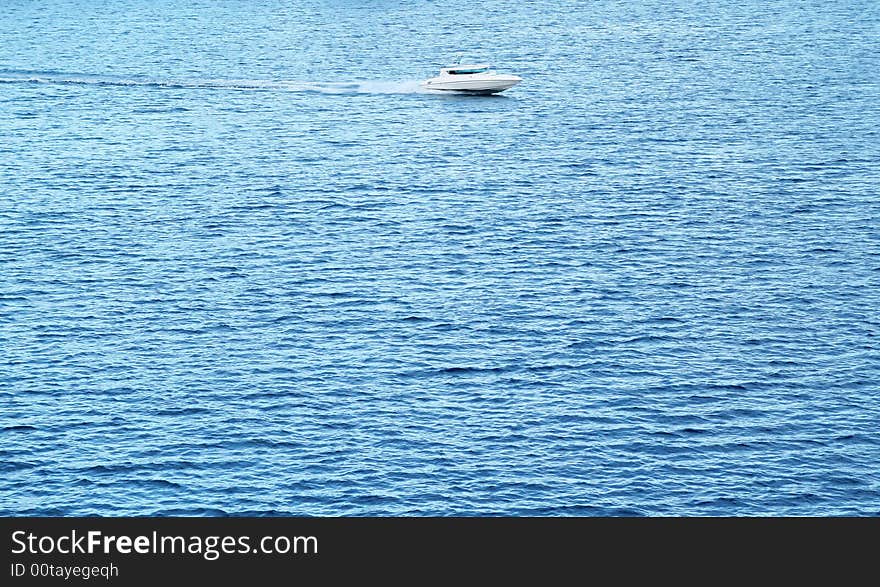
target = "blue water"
x: 248, y: 267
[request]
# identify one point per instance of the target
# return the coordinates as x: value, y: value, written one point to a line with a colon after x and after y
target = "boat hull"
x: 474, y: 85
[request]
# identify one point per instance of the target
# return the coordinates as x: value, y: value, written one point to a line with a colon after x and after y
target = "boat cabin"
x: 464, y: 69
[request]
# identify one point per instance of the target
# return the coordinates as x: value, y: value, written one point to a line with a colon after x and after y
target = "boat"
x: 471, y: 79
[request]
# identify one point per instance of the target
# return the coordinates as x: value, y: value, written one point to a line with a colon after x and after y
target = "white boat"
x: 472, y: 79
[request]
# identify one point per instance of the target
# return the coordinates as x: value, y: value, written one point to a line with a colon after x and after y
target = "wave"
x: 20, y: 76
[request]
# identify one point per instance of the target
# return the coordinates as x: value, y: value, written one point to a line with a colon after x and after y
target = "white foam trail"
x: 355, y: 87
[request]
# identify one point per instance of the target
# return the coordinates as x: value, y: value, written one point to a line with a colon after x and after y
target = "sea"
x: 248, y: 266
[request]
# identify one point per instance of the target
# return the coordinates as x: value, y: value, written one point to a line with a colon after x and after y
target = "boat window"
x: 462, y: 71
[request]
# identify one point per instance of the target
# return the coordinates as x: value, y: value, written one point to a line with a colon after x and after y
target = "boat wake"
x: 344, y: 88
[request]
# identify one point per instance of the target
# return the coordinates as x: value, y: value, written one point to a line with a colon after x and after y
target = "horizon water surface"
x: 248, y: 267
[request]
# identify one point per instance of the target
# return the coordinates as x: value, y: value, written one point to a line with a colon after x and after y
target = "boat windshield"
x: 469, y: 70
